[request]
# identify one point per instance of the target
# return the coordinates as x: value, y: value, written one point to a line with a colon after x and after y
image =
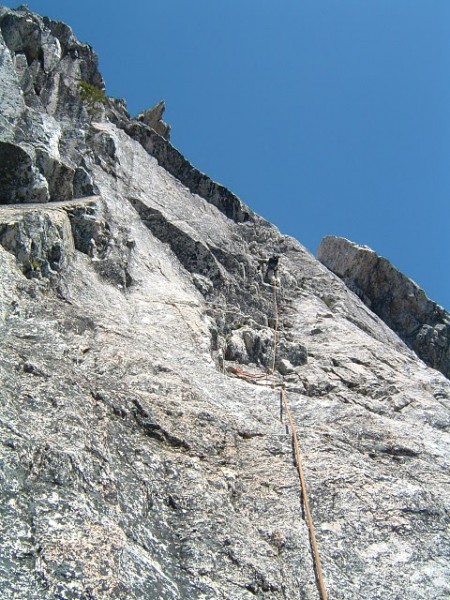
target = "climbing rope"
x: 242, y: 373
x: 275, y: 332
x: 308, y: 516
x: 271, y: 370
x: 299, y: 463
x: 297, y: 454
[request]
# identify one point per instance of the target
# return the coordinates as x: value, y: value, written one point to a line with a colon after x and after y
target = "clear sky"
x: 327, y: 117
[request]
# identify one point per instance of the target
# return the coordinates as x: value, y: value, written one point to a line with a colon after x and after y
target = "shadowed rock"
x: 20, y: 180
x: 399, y: 301
x: 135, y: 459
x: 153, y: 118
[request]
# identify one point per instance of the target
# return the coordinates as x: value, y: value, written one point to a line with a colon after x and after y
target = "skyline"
x: 326, y: 118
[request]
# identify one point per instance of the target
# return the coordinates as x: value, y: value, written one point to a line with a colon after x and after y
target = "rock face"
x: 153, y: 118
x: 137, y: 460
x: 42, y: 65
x: 401, y: 303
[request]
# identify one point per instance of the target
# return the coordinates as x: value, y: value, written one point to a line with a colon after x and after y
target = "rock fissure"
x: 132, y: 465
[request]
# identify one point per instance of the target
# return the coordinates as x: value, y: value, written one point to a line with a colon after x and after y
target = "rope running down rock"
x: 297, y: 454
x: 309, y: 521
x: 275, y: 333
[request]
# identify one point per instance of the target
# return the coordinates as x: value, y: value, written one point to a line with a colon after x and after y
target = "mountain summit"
x: 163, y: 348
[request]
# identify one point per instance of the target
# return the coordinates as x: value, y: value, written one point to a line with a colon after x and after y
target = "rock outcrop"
x: 153, y: 118
x: 399, y: 301
x: 41, y: 153
x: 137, y: 458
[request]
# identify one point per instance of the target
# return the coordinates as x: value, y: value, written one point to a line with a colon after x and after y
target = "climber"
x: 271, y: 265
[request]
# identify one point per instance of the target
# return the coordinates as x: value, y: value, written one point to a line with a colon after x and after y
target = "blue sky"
x: 325, y: 116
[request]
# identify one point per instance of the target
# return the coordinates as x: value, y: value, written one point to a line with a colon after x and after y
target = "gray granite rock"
x: 135, y: 461
x: 20, y: 180
x: 153, y: 118
x: 42, y: 65
x: 399, y: 301
x: 176, y: 164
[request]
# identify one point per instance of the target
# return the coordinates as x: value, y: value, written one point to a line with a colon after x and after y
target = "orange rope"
x: 298, y: 457
x: 242, y: 373
x: 309, y: 521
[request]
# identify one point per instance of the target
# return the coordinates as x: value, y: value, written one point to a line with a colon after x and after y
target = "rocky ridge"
x: 134, y: 462
x: 421, y: 323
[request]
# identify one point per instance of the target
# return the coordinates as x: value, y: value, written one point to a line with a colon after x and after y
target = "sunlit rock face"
x: 399, y: 301
x: 136, y: 459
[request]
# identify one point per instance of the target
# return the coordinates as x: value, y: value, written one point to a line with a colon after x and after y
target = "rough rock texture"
x: 399, y: 301
x: 134, y: 462
x: 197, y: 182
x: 42, y: 64
x: 153, y: 118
